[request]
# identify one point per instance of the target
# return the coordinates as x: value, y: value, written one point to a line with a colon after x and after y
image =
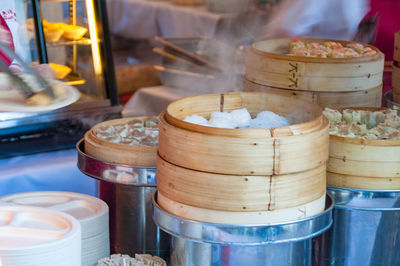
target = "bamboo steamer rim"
x: 362, y: 182
x: 256, y: 83
x: 91, y: 134
x: 253, y: 48
x: 246, y: 218
x: 372, y: 142
x: 294, y: 129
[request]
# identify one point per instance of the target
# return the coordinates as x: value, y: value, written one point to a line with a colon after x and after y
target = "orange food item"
x: 329, y: 49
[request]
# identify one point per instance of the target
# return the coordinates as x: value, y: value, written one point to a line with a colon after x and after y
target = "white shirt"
x: 332, y: 19
x: 13, y: 13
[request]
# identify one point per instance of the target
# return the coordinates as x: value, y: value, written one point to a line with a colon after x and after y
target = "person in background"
x: 387, y: 24
x: 328, y: 19
x: 11, y: 30
x: 368, y: 21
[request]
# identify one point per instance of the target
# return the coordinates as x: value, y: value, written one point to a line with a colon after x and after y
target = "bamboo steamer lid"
x: 368, y: 97
x: 363, y: 164
x: 241, y: 218
x: 118, y: 153
x: 295, y: 148
x: 237, y: 192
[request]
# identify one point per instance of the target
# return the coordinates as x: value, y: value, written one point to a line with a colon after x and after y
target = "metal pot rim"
x: 227, y: 234
x: 95, y: 168
x: 365, y: 200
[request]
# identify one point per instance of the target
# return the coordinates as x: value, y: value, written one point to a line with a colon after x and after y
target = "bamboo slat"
x: 282, y: 150
x: 364, y: 168
x: 396, y: 55
x: 244, y: 218
x: 362, y: 182
x: 135, y: 155
x: 369, y: 97
x: 239, y: 193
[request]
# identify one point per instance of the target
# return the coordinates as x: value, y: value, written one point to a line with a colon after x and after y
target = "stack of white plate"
x: 33, y: 236
x: 91, y: 212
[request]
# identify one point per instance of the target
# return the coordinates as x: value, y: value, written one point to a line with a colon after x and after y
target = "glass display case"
x: 72, y: 36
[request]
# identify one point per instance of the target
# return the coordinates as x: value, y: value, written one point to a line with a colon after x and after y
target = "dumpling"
x: 242, y: 117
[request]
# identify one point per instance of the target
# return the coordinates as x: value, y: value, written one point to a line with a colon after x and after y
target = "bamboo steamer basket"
x: 396, y: 55
x: 243, y: 218
x: 370, y: 97
x: 396, y: 81
x: 295, y: 148
x: 237, y: 192
x: 363, y: 164
x: 188, y: 2
x: 118, y: 153
x: 268, y: 65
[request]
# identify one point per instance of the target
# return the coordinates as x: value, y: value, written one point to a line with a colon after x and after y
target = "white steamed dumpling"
x: 195, y: 119
x: 239, y: 119
x: 242, y: 117
x: 268, y: 119
x: 222, y: 120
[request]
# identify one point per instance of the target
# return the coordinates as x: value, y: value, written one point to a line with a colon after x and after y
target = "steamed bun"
x: 222, y: 120
x: 242, y: 117
x: 195, y: 119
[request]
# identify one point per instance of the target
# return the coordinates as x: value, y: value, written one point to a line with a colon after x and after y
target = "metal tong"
x: 21, y: 84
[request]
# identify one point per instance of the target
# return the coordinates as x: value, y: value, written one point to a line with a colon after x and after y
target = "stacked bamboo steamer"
x: 364, y: 164
x: 242, y: 176
x: 396, y: 68
x: 328, y: 82
x: 137, y: 155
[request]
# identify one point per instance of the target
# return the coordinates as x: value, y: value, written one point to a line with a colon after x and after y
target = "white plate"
x: 33, y: 236
x: 23, y: 228
x: 91, y: 212
x: 11, y: 102
x: 95, y: 248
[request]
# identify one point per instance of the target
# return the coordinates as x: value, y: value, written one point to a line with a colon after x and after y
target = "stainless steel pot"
x: 197, y: 243
x: 128, y: 192
x: 366, y: 228
x: 389, y: 101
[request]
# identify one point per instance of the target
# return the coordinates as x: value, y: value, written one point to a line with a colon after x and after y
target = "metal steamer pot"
x: 366, y: 228
x: 127, y: 190
x: 197, y: 243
